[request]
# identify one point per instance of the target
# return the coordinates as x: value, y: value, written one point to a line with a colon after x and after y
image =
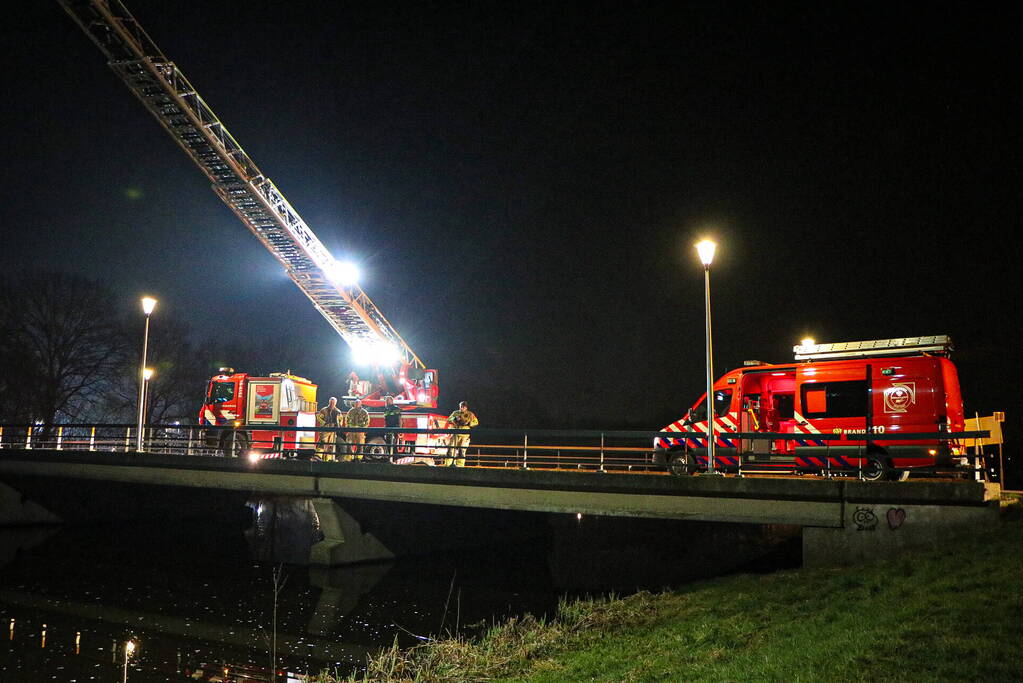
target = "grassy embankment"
x: 955, y: 614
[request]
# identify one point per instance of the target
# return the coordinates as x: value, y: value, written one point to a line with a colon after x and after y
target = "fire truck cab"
x: 237, y: 399
x: 848, y: 392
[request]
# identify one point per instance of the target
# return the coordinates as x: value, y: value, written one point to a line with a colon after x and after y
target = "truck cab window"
x: 221, y: 392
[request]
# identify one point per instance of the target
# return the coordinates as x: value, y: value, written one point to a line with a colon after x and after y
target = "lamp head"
x: 147, y: 373
x: 706, y: 250
x: 148, y: 304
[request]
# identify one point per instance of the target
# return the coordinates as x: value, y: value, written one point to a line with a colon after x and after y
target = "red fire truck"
x: 237, y: 399
x: 850, y: 390
x: 257, y: 406
x: 331, y: 285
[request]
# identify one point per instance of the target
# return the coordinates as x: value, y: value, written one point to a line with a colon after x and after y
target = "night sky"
x: 523, y: 183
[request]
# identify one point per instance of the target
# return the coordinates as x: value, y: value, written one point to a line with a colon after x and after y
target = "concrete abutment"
x: 344, y: 541
x: 878, y: 526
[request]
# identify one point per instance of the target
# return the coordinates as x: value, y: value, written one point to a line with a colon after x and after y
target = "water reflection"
x: 195, y: 599
x: 284, y: 529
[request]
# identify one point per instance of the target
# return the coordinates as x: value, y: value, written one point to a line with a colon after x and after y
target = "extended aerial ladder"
x: 167, y: 94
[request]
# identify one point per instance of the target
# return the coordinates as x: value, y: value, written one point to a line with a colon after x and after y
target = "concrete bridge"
x: 843, y: 519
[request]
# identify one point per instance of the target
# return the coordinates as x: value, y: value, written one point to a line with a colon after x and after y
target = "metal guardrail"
x: 593, y: 450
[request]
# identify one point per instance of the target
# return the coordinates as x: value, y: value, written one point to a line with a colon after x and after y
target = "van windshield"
x: 722, y: 401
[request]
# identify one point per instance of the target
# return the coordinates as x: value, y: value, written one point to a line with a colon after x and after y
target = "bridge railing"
x: 584, y: 450
x: 557, y: 449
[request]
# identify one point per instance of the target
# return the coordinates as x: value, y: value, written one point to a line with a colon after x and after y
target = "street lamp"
x: 148, y: 304
x: 705, y: 249
x: 129, y: 647
x: 147, y: 374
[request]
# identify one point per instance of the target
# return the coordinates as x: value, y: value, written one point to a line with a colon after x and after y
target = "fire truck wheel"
x: 680, y: 463
x: 376, y: 450
x: 877, y: 468
x: 234, y: 448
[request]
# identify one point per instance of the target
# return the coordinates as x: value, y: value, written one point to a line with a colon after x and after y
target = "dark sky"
x: 522, y: 184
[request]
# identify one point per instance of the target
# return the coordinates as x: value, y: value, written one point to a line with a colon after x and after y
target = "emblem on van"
x: 899, y: 397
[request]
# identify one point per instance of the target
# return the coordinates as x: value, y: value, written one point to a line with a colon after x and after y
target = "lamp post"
x: 129, y: 647
x: 148, y: 304
x: 706, y: 251
x: 147, y: 374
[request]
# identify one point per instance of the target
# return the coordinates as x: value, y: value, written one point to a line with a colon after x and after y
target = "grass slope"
x: 955, y: 614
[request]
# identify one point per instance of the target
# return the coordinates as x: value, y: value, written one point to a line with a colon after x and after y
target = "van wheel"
x: 681, y: 463
x: 876, y: 469
x: 234, y: 447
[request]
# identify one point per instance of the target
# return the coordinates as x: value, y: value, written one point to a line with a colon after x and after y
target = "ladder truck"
x: 162, y: 88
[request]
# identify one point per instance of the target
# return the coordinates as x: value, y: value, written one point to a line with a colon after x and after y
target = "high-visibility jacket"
x: 328, y: 417
x: 463, y: 418
x: 358, y: 417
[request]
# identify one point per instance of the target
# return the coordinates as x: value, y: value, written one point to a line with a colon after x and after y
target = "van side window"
x: 834, y: 399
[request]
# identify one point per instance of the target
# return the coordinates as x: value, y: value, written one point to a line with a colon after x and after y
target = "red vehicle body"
x: 259, y: 405
x: 409, y: 386
x: 886, y: 387
x: 240, y: 400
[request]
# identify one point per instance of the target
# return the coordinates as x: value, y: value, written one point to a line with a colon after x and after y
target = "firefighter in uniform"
x: 392, y: 418
x: 463, y: 418
x: 326, y: 442
x: 357, y: 417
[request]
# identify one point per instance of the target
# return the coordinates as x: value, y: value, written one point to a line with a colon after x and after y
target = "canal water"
x: 199, y: 598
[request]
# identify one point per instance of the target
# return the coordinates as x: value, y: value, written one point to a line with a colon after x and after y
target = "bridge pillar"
x: 14, y: 509
x: 873, y: 531
x: 343, y: 539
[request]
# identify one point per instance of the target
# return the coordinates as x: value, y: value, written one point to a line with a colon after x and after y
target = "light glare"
x: 375, y: 353
x: 147, y: 373
x: 148, y: 304
x: 808, y: 341
x: 344, y: 273
x: 706, y: 250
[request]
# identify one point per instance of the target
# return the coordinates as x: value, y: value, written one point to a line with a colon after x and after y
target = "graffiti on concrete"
x: 896, y: 518
x: 865, y: 519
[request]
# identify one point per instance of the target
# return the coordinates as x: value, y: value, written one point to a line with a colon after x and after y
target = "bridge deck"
x: 798, y: 501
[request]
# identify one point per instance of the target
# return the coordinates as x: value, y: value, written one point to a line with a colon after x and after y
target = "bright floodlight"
x: 379, y: 353
x: 706, y: 250
x: 808, y: 341
x: 129, y: 647
x: 148, y: 304
x: 148, y: 373
x: 344, y: 273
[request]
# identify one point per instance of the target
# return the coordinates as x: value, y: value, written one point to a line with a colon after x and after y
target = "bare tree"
x: 181, y: 372
x: 60, y: 345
